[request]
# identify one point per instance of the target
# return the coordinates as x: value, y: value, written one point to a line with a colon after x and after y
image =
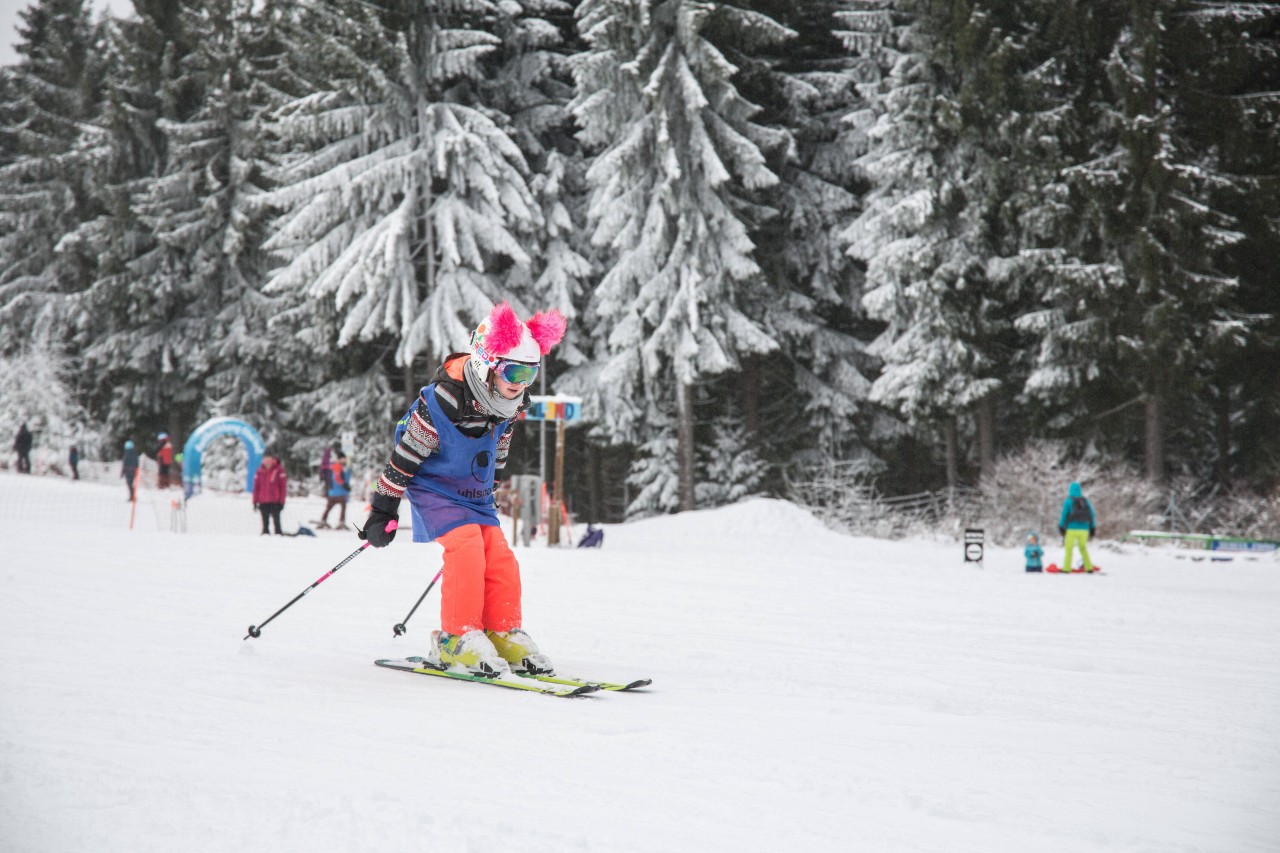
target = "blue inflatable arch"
x: 193, y: 450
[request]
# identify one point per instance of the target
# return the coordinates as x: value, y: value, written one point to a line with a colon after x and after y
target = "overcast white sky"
x: 9, y: 22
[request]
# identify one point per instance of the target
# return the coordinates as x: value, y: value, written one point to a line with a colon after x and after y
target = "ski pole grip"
x: 391, y: 525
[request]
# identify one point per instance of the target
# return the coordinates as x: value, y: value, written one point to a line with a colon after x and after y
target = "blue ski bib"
x: 454, y: 486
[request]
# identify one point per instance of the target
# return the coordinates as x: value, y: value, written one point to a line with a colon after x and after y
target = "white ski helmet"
x: 503, y: 337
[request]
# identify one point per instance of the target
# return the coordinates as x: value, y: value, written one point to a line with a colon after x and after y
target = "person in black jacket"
x: 129, y: 467
x: 22, y: 446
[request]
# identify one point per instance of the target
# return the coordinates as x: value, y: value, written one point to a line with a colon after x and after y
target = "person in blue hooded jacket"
x: 1033, y: 552
x: 1076, y: 524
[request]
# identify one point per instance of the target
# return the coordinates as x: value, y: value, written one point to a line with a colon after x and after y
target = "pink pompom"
x: 547, y: 328
x: 505, y: 330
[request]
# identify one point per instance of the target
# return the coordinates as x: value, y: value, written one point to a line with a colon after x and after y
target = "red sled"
x: 1055, y: 569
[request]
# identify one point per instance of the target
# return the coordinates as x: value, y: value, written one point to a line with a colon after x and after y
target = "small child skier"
x: 1034, y: 553
x: 449, y: 445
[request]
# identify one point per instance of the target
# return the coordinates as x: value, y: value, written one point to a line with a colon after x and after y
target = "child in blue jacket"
x: 1033, y: 552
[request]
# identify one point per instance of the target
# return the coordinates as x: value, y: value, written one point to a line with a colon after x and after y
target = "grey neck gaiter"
x: 491, y: 401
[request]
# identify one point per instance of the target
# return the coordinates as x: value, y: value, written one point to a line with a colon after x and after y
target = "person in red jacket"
x: 164, y: 456
x: 270, y: 486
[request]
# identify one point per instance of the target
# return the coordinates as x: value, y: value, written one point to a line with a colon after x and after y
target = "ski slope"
x: 812, y: 692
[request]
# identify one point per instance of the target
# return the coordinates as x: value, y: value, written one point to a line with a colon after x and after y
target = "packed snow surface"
x: 812, y: 691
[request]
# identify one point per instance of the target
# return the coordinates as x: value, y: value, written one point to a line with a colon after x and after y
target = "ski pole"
x: 256, y: 630
x: 399, y: 628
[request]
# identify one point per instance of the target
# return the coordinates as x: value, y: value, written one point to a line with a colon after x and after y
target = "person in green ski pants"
x: 1076, y: 524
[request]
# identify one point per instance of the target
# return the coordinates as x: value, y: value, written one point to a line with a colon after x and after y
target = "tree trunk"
x: 426, y: 200
x: 594, y: 475
x: 751, y: 397
x: 986, y: 417
x: 953, y: 473
x: 1222, y: 465
x: 1154, y: 435
x: 684, y: 412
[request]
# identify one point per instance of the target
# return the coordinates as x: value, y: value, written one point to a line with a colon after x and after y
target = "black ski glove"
x: 1092, y: 531
x: 385, y: 510
x: 1062, y: 531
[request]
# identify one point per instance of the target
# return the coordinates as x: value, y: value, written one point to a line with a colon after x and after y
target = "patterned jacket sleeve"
x: 504, y: 447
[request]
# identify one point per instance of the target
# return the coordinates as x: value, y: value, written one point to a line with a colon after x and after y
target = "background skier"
x: 449, y: 446
x: 326, y: 460
x: 22, y: 447
x: 164, y: 459
x: 338, y: 491
x: 270, y: 488
x: 129, y: 467
x: 1076, y: 524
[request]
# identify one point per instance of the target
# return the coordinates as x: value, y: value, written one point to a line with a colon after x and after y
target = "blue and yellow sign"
x: 560, y: 407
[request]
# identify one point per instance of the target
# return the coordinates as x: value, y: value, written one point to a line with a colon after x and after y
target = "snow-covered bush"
x: 35, y: 388
x: 1025, y: 491
x: 842, y: 495
x: 1238, y: 511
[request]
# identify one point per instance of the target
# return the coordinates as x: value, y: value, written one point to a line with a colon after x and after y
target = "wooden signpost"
x: 562, y: 409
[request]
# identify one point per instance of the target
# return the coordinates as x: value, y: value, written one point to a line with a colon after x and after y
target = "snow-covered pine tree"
x: 1144, y: 302
x: 730, y: 468
x: 923, y: 267
x: 608, y: 101
x: 652, y: 474
x: 675, y: 182
x: 124, y: 145
x: 1006, y: 59
x: 44, y: 178
x: 1037, y: 122
x: 944, y: 164
x: 813, y: 308
x: 531, y: 84
x: 1235, y: 110
x: 563, y: 270
x: 195, y: 339
x: 404, y: 200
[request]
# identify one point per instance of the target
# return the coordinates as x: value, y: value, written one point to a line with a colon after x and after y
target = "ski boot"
x: 471, y: 652
x: 520, y: 651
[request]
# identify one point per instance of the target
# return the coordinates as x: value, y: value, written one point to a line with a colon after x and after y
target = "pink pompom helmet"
x: 502, y: 336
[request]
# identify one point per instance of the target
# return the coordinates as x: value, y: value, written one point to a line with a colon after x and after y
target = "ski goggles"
x: 516, y: 372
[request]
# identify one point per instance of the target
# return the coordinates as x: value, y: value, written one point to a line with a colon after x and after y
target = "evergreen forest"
x: 910, y: 236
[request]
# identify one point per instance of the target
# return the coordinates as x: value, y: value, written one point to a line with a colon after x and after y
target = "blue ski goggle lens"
x: 517, y: 372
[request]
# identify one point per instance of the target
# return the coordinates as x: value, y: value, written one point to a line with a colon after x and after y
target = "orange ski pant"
x: 481, y: 585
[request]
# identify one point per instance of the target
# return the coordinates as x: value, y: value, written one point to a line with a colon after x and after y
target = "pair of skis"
x: 532, y: 683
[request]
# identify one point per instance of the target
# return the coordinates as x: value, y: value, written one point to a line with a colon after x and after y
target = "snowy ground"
x: 811, y: 692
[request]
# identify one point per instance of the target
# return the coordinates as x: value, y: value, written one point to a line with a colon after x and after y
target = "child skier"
x: 1033, y: 552
x: 448, y: 448
x: 1076, y: 524
x: 337, y: 492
